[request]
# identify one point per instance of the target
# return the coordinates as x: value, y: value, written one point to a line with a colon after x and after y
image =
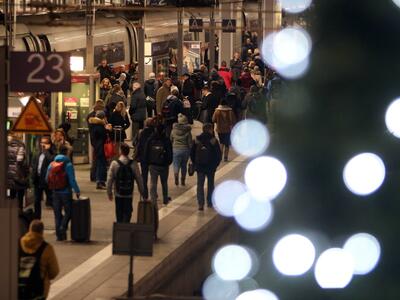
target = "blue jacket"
x: 69, y: 169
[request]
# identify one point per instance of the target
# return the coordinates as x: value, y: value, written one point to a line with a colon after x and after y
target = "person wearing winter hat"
x: 181, y: 139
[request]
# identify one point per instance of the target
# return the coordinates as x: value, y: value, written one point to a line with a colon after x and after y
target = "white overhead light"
x: 76, y: 63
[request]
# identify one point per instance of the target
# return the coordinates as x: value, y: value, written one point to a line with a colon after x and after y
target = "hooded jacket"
x: 181, y: 136
x: 69, y: 169
x: 49, y: 268
x: 138, y: 110
x: 224, y: 118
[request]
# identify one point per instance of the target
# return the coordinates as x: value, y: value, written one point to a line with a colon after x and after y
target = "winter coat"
x: 105, y: 72
x: 236, y: 69
x: 140, y: 148
x: 103, y: 93
x: 17, y: 172
x: 209, y: 104
x: 246, y: 81
x: 256, y: 107
x: 216, y: 156
x: 227, y: 76
x: 224, y: 118
x: 188, y: 89
x: 98, y: 136
x: 175, y: 106
x: 162, y: 94
x: 150, y: 88
x: 117, y: 119
x: 112, y: 99
x: 167, y: 147
x: 39, y: 180
x: 181, y: 136
x: 112, y: 177
x: 49, y: 268
x: 137, y: 109
x: 69, y: 169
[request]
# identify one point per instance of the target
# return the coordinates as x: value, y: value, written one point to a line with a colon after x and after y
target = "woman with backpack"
x: 225, y: 119
x: 181, y: 139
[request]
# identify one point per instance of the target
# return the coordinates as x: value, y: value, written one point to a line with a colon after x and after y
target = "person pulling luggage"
x: 122, y: 174
x: 61, y: 181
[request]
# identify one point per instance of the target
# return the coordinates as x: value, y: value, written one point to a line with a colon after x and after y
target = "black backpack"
x: 166, y: 109
x: 30, y: 282
x: 157, y: 152
x: 197, y: 80
x: 124, y: 179
x: 203, y: 153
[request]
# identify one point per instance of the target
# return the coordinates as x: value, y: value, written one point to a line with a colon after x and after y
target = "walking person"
x: 181, y: 139
x: 37, y: 264
x: 40, y: 164
x: 158, y: 153
x: 137, y: 110
x: 61, y: 180
x: 224, y: 118
x: 122, y: 174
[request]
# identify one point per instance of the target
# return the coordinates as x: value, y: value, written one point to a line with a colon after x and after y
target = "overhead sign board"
x: 40, y: 72
x: 32, y: 119
x: 228, y: 25
x: 195, y: 25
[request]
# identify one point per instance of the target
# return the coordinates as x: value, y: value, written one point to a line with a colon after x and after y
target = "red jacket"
x: 227, y: 76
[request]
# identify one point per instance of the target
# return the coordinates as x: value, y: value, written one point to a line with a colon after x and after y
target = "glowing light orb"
x: 250, y: 137
x: 225, y: 196
x: 334, y: 269
x: 295, y: 6
x: 397, y: 2
x: 365, y: 250
x: 265, y: 178
x: 252, y: 215
x: 215, y: 288
x: 232, y: 262
x: 258, y: 294
x: 293, y: 255
x: 392, y: 119
x: 364, y: 174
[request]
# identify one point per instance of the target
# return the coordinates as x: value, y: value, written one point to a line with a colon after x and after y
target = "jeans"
x: 201, y: 178
x: 145, y: 176
x: 101, y: 170
x: 180, y: 160
x: 60, y: 201
x: 38, y: 200
x: 156, y: 171
x: 123, y: 209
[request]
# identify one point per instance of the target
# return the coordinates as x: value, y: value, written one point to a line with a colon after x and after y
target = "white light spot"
x: 295, y: 6
x: 296, y: 70
x: 364, y: 174
x: 232, y: 262
x: 250, y: 137
x: 365, y: 250
x: 225, y: 196
x: 214, y: 288
x: 291, y: 45
x: 397, y: 2
x: 265, y: 177
x: 392, y: 117
x: 334, y: 269
x: 259, y: 294
x: 252, y: 215
x: 293, y: 255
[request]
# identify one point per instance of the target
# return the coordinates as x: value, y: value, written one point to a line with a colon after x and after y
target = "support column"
x: 180, y: 44
x: 237, y: 45
x: 272, y: 20
x: 225, y: 38
x: 141, y: 53
x: 211, y: 44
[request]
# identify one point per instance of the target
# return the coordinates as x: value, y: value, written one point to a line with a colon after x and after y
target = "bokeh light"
x: 365, y: 250
x: 225, y: 196
x: 215, y: 288
x: 397, y: 2
x: 296, y: 70
x: 265, y: 178
x: 259, y: 294
x: 232, y: 262
x: 295, y: 6
x: 247, y: 284
x: 250, y: 137
x: 293, y: 255
x: 364, y: 174
x: 291, y: 45
x: 392, y: 119
x: 334, y: 269
x: 252, y: 215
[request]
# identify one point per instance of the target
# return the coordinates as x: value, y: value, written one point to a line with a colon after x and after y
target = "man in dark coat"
x: 236, y: 67
x: 40, y: 164
x: 137, y: 110
x: 206, y: 156
x: 105, y: 70
x: 208, y: 106
x: 150, y: 91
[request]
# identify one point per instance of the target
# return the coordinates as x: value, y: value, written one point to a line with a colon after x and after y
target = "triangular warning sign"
x: 229, y: 25
x: 32, y: 119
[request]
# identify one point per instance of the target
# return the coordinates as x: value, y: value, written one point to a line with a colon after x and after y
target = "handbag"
x: 191, y: 169
x: 109, y: 148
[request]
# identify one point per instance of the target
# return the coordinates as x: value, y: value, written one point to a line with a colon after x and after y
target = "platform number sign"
x: 228, y: 25
x: 40, y: 72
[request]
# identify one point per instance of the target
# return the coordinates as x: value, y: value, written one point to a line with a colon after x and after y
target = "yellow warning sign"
x: 32, y: 119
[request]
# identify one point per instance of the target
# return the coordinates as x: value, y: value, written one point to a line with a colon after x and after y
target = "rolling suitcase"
x: 81, y: 220
x: 117, y: 139
x: 148, y: 214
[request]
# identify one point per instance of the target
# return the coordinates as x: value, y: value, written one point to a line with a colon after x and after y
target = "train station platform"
x: 90, y: 271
